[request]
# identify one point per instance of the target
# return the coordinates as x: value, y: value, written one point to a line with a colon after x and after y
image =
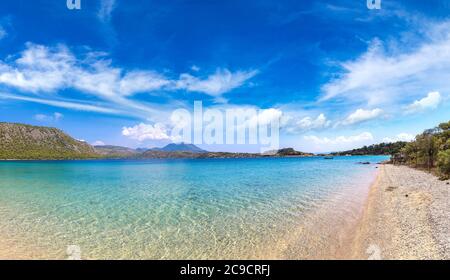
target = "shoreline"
x: 406, y: 216
x: 246, y: 156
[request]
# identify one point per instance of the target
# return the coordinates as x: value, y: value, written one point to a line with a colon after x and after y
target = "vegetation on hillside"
x: 20, y: 141
x: 291, y: 152
x: 377, y: 149
x: 116, y: 152
x: 430, y: 150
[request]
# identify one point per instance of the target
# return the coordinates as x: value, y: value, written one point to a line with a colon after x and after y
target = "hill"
x: 182, y: 147
x: 291, y: 152
x: 377, y: 149
x: 21, y: 141
x: 110, y: 151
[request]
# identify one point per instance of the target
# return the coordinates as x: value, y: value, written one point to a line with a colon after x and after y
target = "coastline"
x: 406, y: 216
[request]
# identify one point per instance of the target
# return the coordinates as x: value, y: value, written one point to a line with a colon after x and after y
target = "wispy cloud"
x: 220, y: 82
x: 387, y: 73
x: 106, y: 9
x: 3, y: 32
x: 48, y: 118
x: 46, y: 70
x: 62, y: 104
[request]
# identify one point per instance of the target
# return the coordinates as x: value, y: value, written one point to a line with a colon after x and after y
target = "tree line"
x: 376, y: 149
x: 430, y: 150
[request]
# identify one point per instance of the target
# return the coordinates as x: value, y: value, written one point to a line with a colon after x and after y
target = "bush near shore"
x: 430, y: 150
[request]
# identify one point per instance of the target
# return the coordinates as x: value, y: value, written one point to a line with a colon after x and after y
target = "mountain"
x: 182, y: 147
x: 286, y: 152
x: 377, y: 149
x: 20, y: 141
x: 159, y: 153
x: 110, y: 151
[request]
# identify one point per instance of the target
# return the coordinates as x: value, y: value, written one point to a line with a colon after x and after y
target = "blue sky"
x: 339, y: 75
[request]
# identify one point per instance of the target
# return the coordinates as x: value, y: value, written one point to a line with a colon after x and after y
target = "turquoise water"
x: 176, y: 209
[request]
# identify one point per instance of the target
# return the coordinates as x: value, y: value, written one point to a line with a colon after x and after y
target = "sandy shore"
x: 407, y: 216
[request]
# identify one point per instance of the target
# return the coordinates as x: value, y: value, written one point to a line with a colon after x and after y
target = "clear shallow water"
x: 176, y: 209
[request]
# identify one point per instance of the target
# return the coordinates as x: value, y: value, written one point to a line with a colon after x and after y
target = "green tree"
x: 431, y: 150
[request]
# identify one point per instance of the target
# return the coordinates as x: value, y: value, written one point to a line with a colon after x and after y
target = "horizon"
x: 184, y: 143
x: 337, y: 75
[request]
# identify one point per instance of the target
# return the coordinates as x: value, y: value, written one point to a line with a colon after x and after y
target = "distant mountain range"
x: 21, y: 141
x: 170, y: 150
x: 182, y: 147
x: 184, y: 150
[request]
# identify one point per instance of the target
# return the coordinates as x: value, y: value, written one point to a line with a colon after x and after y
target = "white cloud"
x: 394, y: 73
x: 340, y: 143
x: 48, y: 118
x: 362, y: 115
x: 106, y: 9
x: 262, y: 117
x: 267, y: 116
x: 431, y: 101
x: 98, y: 143
x: 216, y: 84
x: 38, y: 69
x: 399, y: 137
x: 142, y: 132
x: 294, y: 125
x: 365, y: 136
x: 45, y: 71
x: 40, y: 117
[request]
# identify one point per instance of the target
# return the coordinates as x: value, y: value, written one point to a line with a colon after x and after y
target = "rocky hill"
x: 21, y: 141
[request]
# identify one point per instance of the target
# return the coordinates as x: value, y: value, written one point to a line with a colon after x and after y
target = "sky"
x: 336, y: 74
